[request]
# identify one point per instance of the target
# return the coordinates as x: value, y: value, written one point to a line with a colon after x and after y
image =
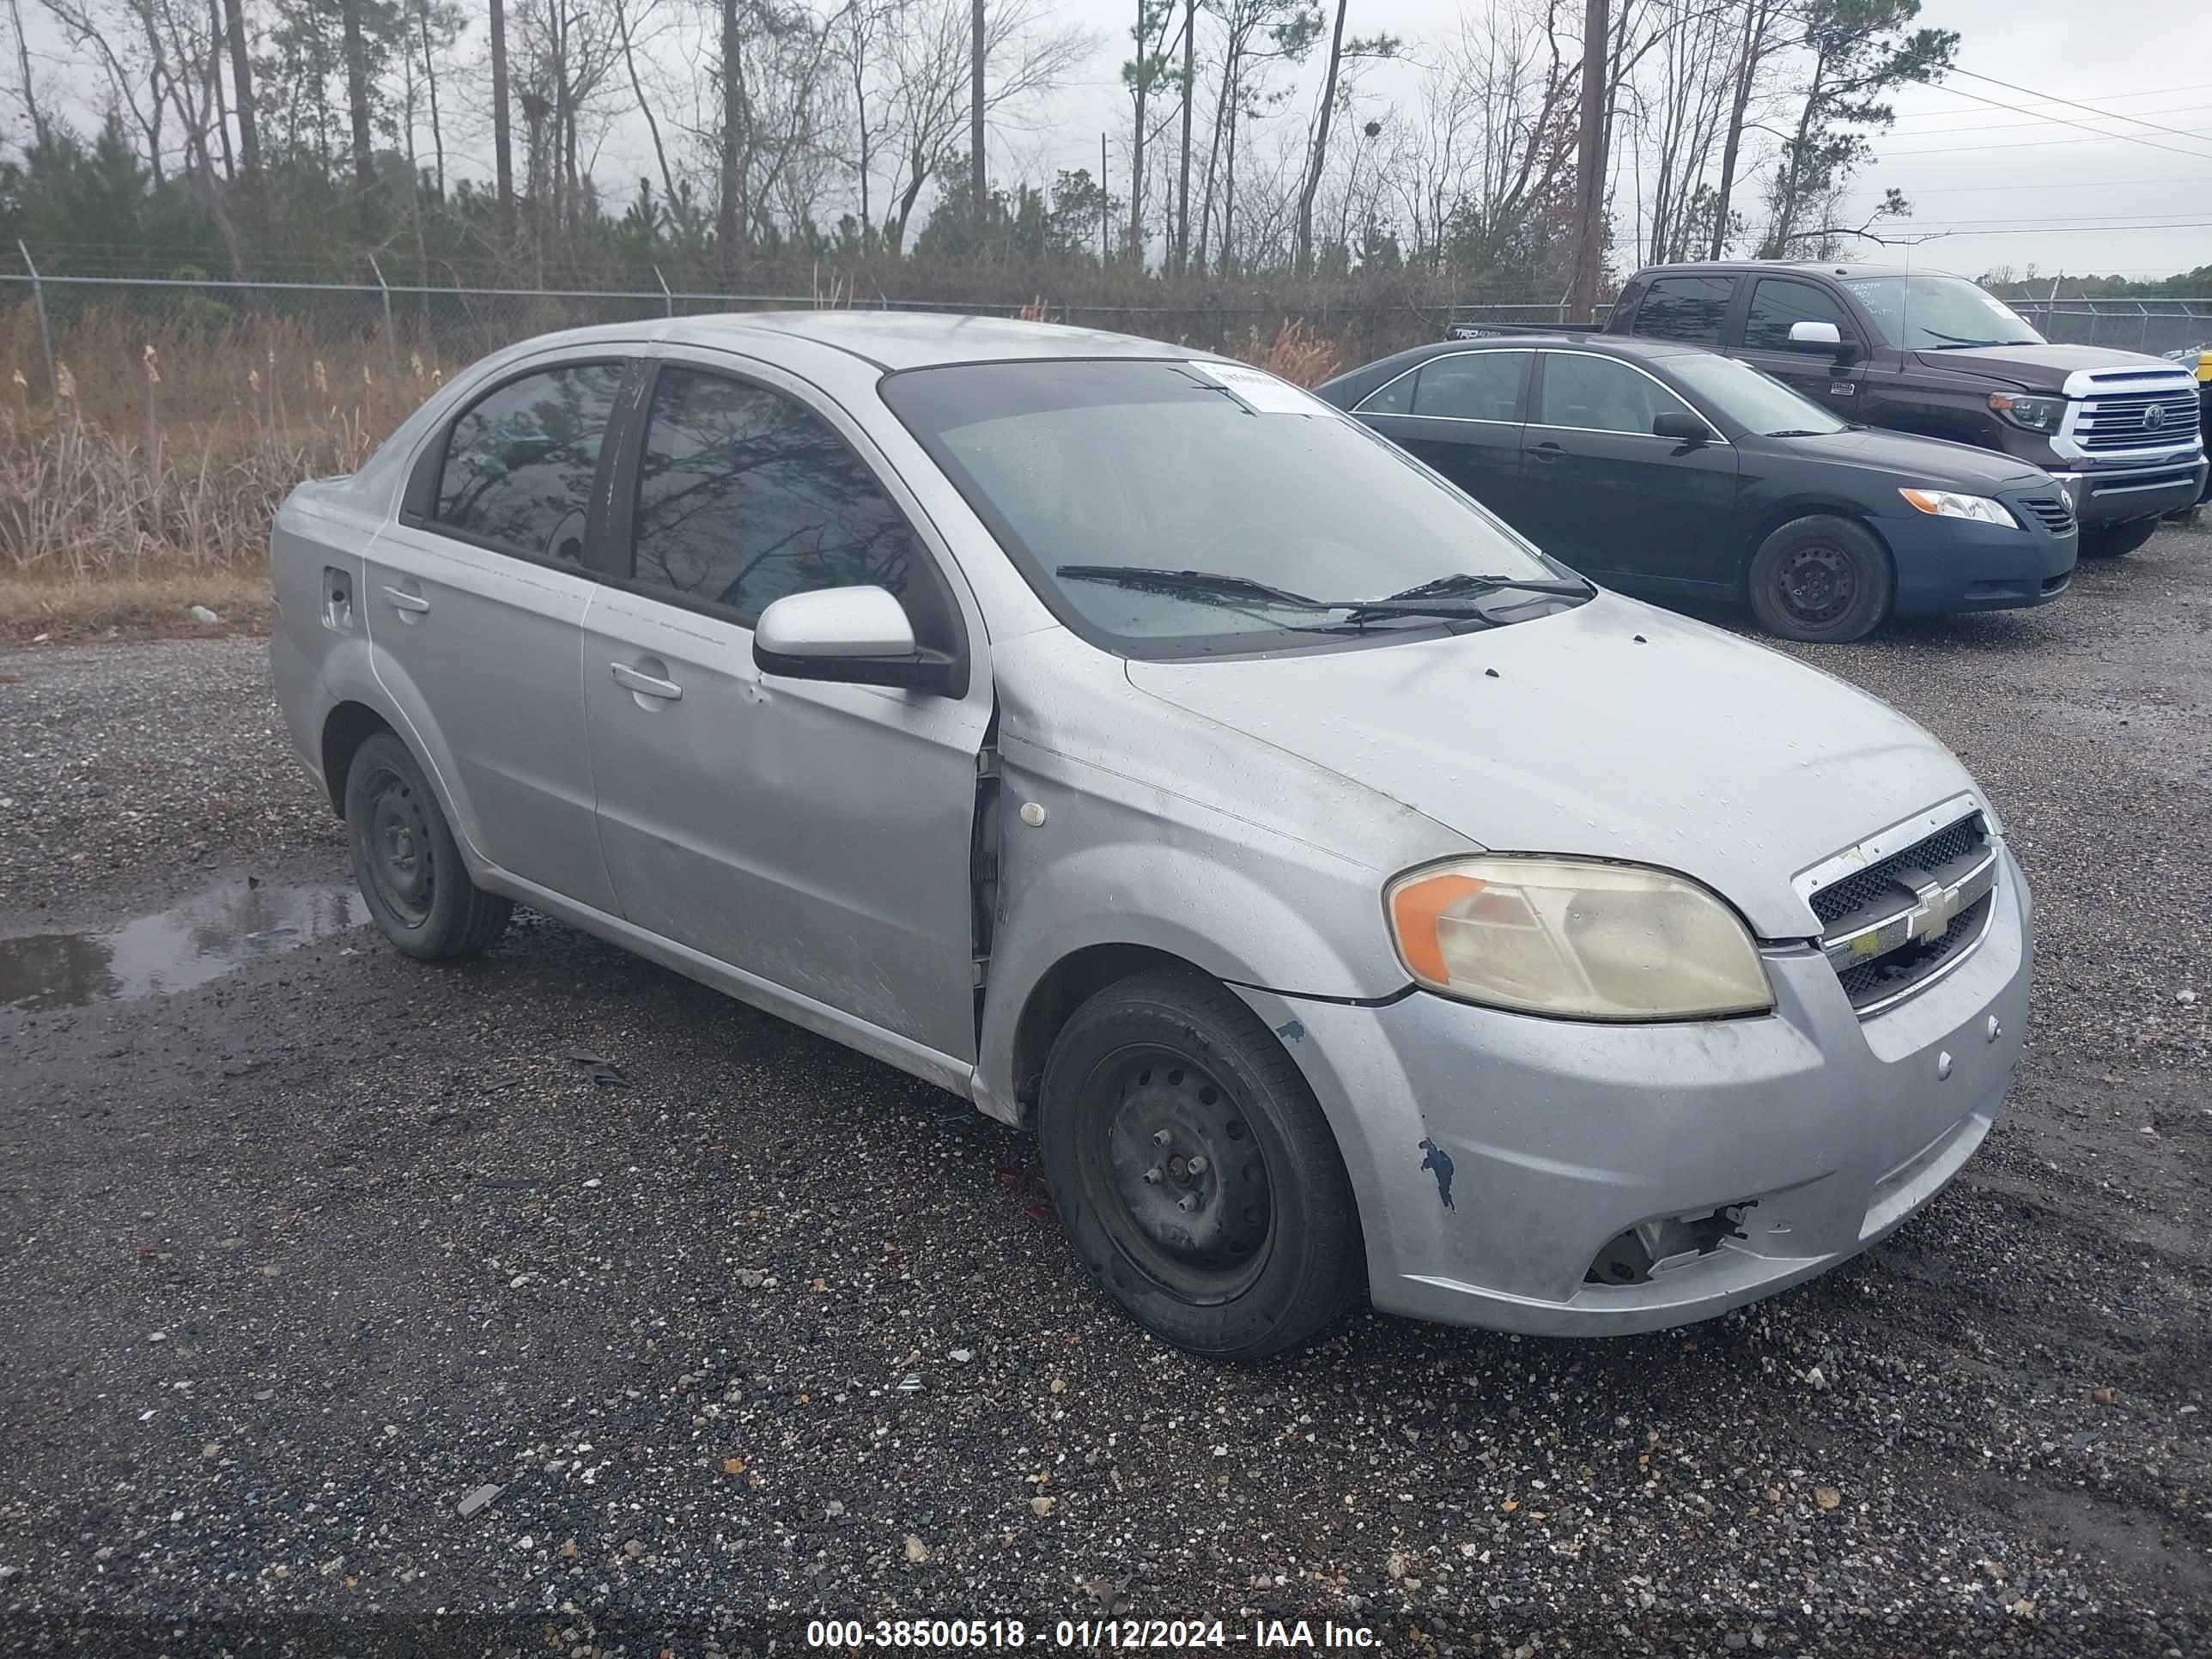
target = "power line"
x: 2064, y: 121
x: 2039, y: 143
x: 2048, y: 98
x: 2149, y: 92
x: 2084, y: 184
x: 2037, y: 118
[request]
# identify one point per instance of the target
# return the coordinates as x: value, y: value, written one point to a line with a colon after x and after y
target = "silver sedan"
x: 1356, y: 901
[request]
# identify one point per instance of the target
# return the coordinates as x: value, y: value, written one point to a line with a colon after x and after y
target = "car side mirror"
x: 854, y: 636
x: 1681, y: 426
x: 1822, y: 337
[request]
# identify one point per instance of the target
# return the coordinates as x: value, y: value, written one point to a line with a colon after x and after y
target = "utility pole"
x: 1105, y: 205
x: 1590, y: 165
x: 978, y: 187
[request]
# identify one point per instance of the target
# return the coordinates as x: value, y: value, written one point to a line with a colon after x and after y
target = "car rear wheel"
x: 2110, y: 541
x: 408, y: 864
x: 1821, y: 579
x: 1194, y: 1170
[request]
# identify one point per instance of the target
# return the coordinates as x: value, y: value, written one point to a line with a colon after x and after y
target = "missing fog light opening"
x: 1652, y: 1247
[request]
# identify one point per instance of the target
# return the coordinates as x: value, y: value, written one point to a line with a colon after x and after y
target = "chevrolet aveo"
x: 1354, y: 899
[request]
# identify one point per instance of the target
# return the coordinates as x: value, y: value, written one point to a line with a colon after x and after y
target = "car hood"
x: 1613, y: 729
x: 1935, y: 461
x: 2035, y: 367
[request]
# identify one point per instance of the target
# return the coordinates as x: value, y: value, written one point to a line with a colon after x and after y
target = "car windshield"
x: 1161, y: 512
x: 1939, y: 314
x: 1757, y: 402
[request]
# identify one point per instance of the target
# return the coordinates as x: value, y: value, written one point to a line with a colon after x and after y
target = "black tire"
x: 2110, y: 541
x: 407, y: 863
x: 1236, y: 1236
x: 1821, y: 579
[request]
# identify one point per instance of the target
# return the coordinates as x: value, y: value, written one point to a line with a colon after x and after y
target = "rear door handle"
x: 403, y: 600
x: 1546, y: 451
x: 645, y: 685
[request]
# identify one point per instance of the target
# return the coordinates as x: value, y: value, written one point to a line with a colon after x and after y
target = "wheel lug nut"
x: 1160, y: 1137
x: 1152, y: 1176
x: 1187, y: 1203
x: 1197, y: 1165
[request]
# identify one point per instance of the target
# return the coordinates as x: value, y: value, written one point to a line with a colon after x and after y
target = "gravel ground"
x: 299, y: 1259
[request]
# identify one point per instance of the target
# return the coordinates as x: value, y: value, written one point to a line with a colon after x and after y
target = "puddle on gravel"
x: 217, y: 929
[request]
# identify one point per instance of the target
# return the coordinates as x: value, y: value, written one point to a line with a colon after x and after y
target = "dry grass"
x: 1295, y: 352
x: 139, y: 606
x: 172, y: 443
x: 170, y: 446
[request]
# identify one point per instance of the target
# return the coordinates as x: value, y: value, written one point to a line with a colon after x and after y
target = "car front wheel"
x: 1196, y: 1176
x: 1821, y: 579
x: 2110, y: 541
x: 408, y: 864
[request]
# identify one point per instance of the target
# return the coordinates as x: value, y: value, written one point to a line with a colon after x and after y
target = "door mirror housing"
x: 1681, y: 426
x: 855, y: 636
x: 1822, y: 337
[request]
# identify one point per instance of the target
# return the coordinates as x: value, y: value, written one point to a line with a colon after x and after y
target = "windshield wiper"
x: 1956, y: 343
x: 1430, y: 599
x: 1210, y: 583
x: 1797, y: 432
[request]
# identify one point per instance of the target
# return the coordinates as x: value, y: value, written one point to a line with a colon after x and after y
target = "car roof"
x: 1633, y: 348
x: 887, y: 339
x: 1819, y: 267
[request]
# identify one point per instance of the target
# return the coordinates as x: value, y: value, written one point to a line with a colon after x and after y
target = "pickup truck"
x: 1920, y: 351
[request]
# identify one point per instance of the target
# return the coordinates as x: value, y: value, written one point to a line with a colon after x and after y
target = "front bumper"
x: 1494, y: 1156
x: 1958, y: 564
x: 2109, y: 495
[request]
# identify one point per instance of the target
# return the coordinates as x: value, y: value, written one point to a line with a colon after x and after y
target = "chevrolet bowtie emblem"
x: 1937, y: 908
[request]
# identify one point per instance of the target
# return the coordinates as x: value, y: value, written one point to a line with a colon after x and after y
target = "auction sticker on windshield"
x: 1263, y: 392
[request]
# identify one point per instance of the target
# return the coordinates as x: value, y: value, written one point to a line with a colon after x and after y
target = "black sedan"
x: 1674, y: 470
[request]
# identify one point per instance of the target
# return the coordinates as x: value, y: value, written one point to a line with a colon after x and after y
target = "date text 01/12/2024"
x: 1290, y: 1634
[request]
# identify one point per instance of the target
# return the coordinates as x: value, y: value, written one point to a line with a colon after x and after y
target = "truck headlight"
x: 1575, y: 939
x: 2035, y: 414
x: 1948, y: 504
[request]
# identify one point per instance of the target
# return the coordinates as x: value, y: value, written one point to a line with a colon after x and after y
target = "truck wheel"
x: 1196, y: 1176
x: 2110, y: 541
x: 407, y: 863
x: 1821, y: 579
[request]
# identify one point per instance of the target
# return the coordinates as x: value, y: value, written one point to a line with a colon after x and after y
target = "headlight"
x: 1944, y: 504
x: 2036, y: 414
x: 1577, y: 939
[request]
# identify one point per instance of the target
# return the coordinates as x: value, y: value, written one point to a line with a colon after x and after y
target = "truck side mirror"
x: 1818, y: 336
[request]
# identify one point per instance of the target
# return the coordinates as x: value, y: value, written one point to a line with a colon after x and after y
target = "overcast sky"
x: 2000, y: 179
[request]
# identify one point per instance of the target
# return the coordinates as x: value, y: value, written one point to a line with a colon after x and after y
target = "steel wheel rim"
x: 1175, y: 1169
x: 1816, y: 585
x: 399, y: 854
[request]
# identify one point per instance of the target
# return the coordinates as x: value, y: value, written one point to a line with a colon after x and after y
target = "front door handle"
x: 1546, y: 451
x: 645, y: 685
x: 403, y: 600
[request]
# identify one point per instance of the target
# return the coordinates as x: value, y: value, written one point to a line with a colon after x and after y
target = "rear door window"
x: 519, y: 461
x: 1393, y: 396
x: 1776, y: 302
x: 1474, y: 386
x: 1687, y: 308
x: 744, y: 495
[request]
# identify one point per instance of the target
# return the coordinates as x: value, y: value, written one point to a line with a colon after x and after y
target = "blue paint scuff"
x: 1436, y: 1158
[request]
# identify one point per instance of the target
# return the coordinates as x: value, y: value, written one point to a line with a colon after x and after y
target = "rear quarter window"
x: 1689, y: 309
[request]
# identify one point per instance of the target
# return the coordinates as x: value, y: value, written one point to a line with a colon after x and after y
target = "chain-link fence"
x: 73, y: 320
x: 2151, y: 326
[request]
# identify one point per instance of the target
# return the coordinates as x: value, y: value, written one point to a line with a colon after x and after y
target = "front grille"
x: 1900, y: 970
x: 1876, y: 920
x: 2136, y: 420
x: 1863, y: 888
x: 2054, y: 513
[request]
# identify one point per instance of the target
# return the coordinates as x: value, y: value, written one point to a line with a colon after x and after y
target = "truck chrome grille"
x: 1896, y: 926
x: 2136, y: 420
x: 2054, y: 513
